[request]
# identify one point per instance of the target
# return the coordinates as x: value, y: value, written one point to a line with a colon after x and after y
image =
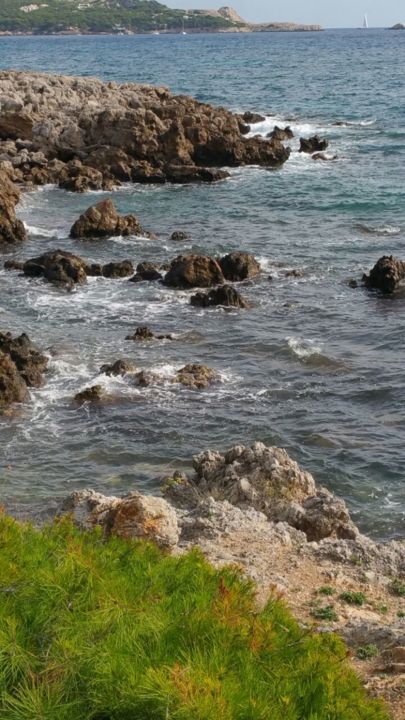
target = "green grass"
x: 111, y: 630
x: 325, y: 613
x: 397, y: 587
x: 365, y: 652
x: 326, y: 590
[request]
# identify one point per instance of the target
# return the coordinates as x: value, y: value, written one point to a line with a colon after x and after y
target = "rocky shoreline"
x: 255, y: 508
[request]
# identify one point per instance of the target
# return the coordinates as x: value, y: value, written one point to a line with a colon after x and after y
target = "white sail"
x: 365, y: 22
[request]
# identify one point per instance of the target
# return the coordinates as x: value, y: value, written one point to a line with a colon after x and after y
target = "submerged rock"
x: 237, y: 266
x: 188, y: 271
x: 195, y: 376
x: 225, y: 295
x: 119, y: 367
x: 145, y: 333
x: 93, y: 394
x: 386, y: 275
x: 313, y: 144
x: 102, y: 220
x: 134, y: 516
x: 179, y: 235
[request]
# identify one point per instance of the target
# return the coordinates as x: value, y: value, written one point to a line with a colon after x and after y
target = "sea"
x: 314, y: 366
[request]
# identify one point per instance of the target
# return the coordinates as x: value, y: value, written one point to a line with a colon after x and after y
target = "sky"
x: 342, y: 13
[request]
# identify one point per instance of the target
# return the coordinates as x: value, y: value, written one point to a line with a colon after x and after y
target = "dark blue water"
x: 314, y: 366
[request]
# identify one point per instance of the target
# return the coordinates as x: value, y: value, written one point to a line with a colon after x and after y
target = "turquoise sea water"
x: 314, y: 366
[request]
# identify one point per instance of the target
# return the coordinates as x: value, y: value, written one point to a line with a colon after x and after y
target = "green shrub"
x: 397, y: 587
x: 353, y: 598
x: 326, y: 590
x: 365, y: 652
x: 112, y: 630
x: 325, y: 613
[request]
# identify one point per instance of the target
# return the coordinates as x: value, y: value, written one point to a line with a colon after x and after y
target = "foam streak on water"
x: 313, y: 366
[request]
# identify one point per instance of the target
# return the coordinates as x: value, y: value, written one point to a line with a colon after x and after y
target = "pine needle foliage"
x: 110, y: 630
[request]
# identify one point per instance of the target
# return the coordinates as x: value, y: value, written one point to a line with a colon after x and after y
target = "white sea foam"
x: 303, y: 348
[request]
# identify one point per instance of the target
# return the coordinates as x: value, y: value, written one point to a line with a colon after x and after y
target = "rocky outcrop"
x: 179, y: 235
x: 12, y: 231
x: 189, y: 271
x: 266, y: 479
x: 146, y: 271
x: 93, y: 394
x: 225, y: 295
x: 195, y: 376
x: 251, y: 118
x: 134, y: 516
x: 281, y: 134
x: 58, y: 267
x: 387, y: 274
x: 85, y: 134
x: 313, y: 144
x: 121, y: 269
x: 102, y: 220
x: 21, y: 366
x: 239, y: 266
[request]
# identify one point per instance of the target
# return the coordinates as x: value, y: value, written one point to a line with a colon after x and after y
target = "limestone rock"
x: 58, y: 267
x: 121, y: 269
x: 188, y: 271
x: 386, y: 275
x: 12, y: 386
x: 146, y: 271
x: 93, y: 394
x: 102, y: 220
x: 237, y: 266
x: 30, y: 363
x: 195, y: 376
x: 119, y: 367
x: 225, y: 295
x: 11, y: 230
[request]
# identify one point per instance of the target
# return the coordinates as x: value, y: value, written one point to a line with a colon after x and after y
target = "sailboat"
x: 365, y: 23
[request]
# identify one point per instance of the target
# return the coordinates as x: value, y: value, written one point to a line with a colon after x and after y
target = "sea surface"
x: 314, y: 366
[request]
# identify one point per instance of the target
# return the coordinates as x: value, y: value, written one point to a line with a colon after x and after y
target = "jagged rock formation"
x: 387, y: 274
x: 102, y: 220
x: 21, y: 366
x: 224, y: 295
x: 86, y: 134
x: 11, y: 230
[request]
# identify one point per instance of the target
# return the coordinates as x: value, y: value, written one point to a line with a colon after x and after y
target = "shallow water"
x: 314, y: 366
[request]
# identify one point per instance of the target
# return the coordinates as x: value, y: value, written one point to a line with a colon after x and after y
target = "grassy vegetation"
x: 101, y: 16
x: 351, y: 597
x: 397, y: 587
x: 110, y: 630
x: 365, y: 652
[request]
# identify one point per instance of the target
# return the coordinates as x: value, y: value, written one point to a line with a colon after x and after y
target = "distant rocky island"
x: 398, y: 26
x: 123, y: 17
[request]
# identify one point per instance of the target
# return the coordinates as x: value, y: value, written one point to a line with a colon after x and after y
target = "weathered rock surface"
x: 102, y: 220
x: 386, y: 275
x: 237, y: 266
x: 313, y: 144
x: 266, y: 479
x: 196, y: 376
x: 11, y: 230
x: 281, y: 134
x: 21, y: 366
x: 134, y: 516
x: 251, y: 118
x: 86, y: 134
x: 146, y: 271
x: 179, y: 235
x: 58, y: 267
x: 93, y: 394
x: 225, y: 295
x: 189, y: 271
x: 120, y: 269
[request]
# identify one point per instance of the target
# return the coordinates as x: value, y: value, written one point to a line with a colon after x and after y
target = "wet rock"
x: 29, y: 361
x: 12, y: 231
x: 146, y: 271
x: 225, y: 295
x: 179, y: 236
x: 352, y: 283
x: 295, y: 273
x: 237, y: 266
x: 323, y: 157
x: 134, y: 516
x: 94, y: 269
x: 102, y: 220
x: 58, y: 267
x: 13, y: 389
x: 281, y: 134
x: 268, y: 480
x: 121, y: 269
x: 119, y: 367
x: 195, y: 376
x: 313, y: 144
x: 185, y: 174
x: 188, y: 271
x: 14, y: 265
x: 76, y: 177
x: 145, y: 333
x: 386, y: 275
x: 93, y: 394
x: 145, y: 378
x: 252, y: 117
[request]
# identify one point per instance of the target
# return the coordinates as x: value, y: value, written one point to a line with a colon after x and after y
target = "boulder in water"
x: 58, y: 267
x: 188, y: 271
x: 196, y: 376
x: 313, y: 144
x: 146, y: 271
x: 386, y: 275
x: 13, y: 389
x: 12, y: 231
x: 119, y: 367
x: 102, y: 220
x: 281, y: 134
x: 179, y: 235
x: 251, y: 118
x: 145, y: 333
x: 237, y: 266
x: 225, y: 295
x: 121, y: 269
x: 93, y: 394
